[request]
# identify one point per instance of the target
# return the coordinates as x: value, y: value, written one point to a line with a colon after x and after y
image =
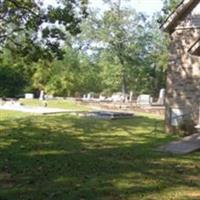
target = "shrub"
x: 187, y: 127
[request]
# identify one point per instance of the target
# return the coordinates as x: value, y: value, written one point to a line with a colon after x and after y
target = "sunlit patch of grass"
x: 68, y: 157
x: 64, y: 104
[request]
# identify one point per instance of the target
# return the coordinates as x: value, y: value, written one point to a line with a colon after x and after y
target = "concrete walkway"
x: 184, y: 146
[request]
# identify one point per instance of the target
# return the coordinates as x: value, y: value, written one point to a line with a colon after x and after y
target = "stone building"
x: 183, y: 78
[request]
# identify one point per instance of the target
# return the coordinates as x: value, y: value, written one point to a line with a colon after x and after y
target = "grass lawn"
x: 64, y: 104
x: 65, y: 157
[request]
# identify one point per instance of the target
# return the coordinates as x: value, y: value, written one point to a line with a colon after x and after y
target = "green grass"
x: 70, y: 158
x: 64, y: 104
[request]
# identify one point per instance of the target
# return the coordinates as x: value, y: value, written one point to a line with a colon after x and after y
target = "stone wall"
x: 183, y: 79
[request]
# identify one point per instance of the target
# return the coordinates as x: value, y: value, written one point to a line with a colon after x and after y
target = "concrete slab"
x: 110, y: 115
x: 184, y: 146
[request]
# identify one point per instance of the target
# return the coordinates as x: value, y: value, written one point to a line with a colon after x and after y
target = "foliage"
x: 187, y: 127
x: 129, y: 48
x: 41, y: 75
x: 89, y: 76
x: 169, y: 6
x: 13, y: 77
x: 117, y: 50
x: 157, y: 58
x: 23, y: 24
x: 121, y: 32
x: 12, y: 81
x: 75, y: 73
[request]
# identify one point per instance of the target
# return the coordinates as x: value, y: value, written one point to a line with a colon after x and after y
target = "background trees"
x: 131, y: 49
x: 67, y: 51
x: 13, y: 78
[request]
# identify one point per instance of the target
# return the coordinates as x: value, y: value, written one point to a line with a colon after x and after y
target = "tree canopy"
x: 29, y: 26
x: 168, y: 7
x: 69, y: 50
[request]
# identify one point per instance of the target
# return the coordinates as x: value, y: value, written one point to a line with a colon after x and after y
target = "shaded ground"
x: 64, y: 157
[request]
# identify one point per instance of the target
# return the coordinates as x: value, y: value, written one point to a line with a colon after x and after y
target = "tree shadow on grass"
x: 64, y: 157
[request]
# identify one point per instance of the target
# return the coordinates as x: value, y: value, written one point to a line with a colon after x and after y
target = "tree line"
x: 70, y: 50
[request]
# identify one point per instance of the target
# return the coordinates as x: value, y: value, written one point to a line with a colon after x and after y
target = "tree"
x: 169, y: 6
x: 120, y: 33
x: 157, y: 56
x: 64, y: 74
x: 13, y: 77
x: 119, y: 49
x: 23, y: 24
x: 74, y: 74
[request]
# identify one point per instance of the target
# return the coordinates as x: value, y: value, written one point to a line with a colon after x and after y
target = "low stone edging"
x: 132, y: 107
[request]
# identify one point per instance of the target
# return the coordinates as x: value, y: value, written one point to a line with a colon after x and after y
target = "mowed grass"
x: 65, y: 157
x: 64, y: 104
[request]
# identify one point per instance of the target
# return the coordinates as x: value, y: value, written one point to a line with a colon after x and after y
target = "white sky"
x: 147, y: 6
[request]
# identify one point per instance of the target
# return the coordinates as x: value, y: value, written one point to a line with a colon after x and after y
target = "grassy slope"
x: 64, y: 157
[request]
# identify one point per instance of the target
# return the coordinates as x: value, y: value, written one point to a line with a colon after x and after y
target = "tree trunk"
x: 123, y: 77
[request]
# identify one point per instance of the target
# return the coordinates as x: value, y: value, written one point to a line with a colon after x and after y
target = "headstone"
x: 49, y: 97
x: 84, y: 97
x: 117, y: 97
x: 131, y: 96
x: 102, y: 98
x: 144, y: 99
x: 88, y: 96
x: 161, y: 98
x: 176, y: 116
x: 29, y: 96
x: 41, y: 95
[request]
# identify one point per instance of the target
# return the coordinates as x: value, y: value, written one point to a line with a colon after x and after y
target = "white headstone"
x: 84, y: 97
x: 50, y: 96
x: 144, y: 99
x: 88, y: 96
x: 116, y: 97
x: 131, y: 96
x: 161, y: 99
x: 29, y: 96
x: 176, y: 116
x: 102, y: 98
x: 41, y: 95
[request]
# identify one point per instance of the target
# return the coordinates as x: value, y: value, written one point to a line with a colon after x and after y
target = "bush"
x: 12, y: 81
x: 187, y: 127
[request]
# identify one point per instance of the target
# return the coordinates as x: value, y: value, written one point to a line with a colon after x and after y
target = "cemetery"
x: 100, y: 102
